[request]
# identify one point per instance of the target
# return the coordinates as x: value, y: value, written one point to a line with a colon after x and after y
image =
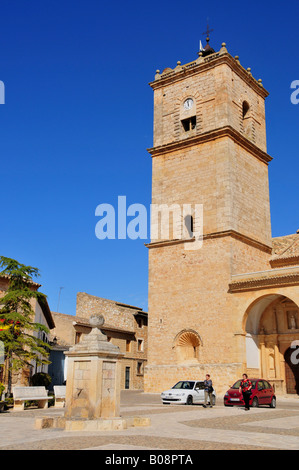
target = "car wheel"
x: 189, y: 400
x: 273, y: 403
x: 255, y: 403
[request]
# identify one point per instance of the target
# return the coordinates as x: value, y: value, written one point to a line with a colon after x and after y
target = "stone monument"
x: 93, y: 382
x: 92, y: 401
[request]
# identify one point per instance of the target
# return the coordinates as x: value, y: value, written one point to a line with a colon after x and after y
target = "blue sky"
x: 77, y: 121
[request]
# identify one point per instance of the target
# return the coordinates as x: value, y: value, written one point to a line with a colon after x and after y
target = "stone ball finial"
x: 96, y: 321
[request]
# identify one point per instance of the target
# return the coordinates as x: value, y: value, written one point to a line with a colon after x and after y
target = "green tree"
x: 18, y: 331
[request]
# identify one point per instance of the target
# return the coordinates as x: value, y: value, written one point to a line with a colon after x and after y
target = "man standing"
x: 208, y: 388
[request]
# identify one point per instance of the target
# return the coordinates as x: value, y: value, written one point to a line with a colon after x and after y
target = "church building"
x: 230, y: 306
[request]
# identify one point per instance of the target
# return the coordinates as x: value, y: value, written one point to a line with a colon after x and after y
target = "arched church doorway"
x: 291, y: 357
x: 271, y: 327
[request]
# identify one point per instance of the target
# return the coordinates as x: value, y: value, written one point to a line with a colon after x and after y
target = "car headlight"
x: 226, y: 395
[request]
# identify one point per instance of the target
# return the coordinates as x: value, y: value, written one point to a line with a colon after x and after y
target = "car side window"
x: 199, y: 385
x: 266, y: 384
x: 260, y: 385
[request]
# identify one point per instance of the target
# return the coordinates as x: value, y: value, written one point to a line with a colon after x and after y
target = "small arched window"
x: 245, y: 109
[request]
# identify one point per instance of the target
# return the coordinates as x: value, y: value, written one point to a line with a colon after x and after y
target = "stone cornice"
x: 264, y: 281
x: 205, y: 63
x: 162, y: 243
x: 226, y: 131
x: 287, y: 261
x: 240, y: 236
x: 208, y: 236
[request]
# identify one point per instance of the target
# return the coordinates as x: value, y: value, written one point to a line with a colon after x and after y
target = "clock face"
x: 188, y: 103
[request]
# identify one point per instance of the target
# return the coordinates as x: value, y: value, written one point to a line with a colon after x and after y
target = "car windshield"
x: 238, y: 383
x: 185, y: 385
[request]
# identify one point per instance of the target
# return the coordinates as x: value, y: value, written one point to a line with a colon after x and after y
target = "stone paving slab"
x: 172, y: 428
x: 291, y: 423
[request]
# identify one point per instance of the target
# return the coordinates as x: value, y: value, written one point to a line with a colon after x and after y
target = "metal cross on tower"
x: 208, y: 31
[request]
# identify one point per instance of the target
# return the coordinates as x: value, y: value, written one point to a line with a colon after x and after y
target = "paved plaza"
x: 172, y: 428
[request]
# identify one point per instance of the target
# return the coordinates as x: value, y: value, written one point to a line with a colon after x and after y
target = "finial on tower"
x: 207, y: 49
x: 208, y: 31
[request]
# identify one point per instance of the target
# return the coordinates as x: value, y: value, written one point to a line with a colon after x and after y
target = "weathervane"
x: 208, y: 31
x: 207, y: 34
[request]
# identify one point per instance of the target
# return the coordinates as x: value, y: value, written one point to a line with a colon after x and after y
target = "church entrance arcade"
x: 272, y: 342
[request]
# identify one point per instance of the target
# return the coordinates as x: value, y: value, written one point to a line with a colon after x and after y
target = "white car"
x: 186, y: 392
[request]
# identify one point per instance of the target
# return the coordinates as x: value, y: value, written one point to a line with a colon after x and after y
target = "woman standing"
x: 245, y: 388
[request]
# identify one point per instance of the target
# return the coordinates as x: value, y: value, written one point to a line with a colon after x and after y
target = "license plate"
x: 235, y: 399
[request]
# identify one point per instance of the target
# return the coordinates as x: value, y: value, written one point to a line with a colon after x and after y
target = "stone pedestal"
x: 93, y: 378
x: 92, y: 401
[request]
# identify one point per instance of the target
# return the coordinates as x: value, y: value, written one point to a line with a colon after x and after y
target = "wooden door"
x: 292, y: 370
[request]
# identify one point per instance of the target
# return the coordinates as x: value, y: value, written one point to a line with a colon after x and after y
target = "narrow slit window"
x: 189, y: 223
x: 245, y: 109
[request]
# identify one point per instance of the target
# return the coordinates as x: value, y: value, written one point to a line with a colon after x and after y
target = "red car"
x: 262, y: 394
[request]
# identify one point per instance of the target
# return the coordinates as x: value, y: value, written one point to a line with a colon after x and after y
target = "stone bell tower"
x: 209, y: 149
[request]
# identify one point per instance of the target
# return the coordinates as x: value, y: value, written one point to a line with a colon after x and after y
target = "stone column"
x: 263, y: 358
x: 277, y: 361
x: 93, y: 377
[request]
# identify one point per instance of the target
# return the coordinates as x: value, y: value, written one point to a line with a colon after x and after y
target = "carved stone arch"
x: 245, y: 99
x: 271, y: 325
x: 179, y: 114
x: 198, y: 98
x: 246, y: 117
x: 254, y: 311
x: 187, y: 343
